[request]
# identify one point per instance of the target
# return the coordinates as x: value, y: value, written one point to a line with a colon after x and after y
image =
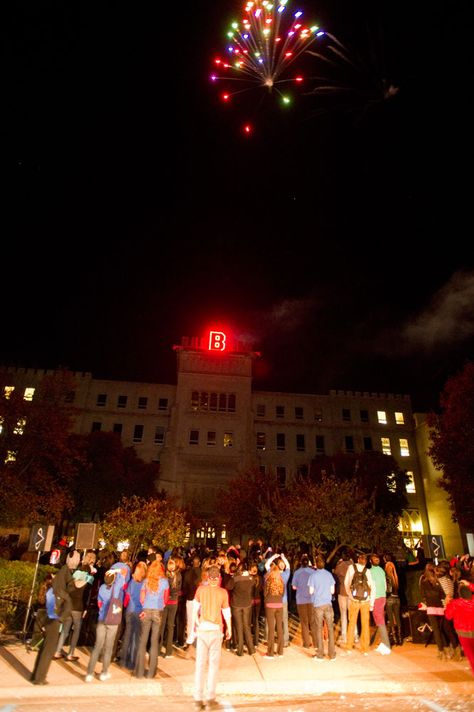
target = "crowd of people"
x: 131, y: 612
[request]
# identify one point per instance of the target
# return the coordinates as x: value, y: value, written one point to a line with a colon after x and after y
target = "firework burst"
x: 261, y: 49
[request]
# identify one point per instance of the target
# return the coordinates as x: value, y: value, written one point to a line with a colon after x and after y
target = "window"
x: 364, y: 416
x: 231, y: 403
x: 96, y: 426
x: 101, y: 399
x: 300, y: 443
x: 298, y: 412
x: 159, y: 435
x: 280, y: 441
x: 222, y: 402
x: 349, y: 443
x: 261, y: 444
x: 260, y: 410
x: 410, y: 486
x: 320, y: 447
x: 346, y: 415
x: 213, y: 402
x: 399, y: 418
x: 368, y: 443
x: 138, y: 433
x: 302, y: 471
x: 142, y: 402
x: 117, y: 429
x: 386, y: 449
x: 261, y: 469
x: 204, y: 400
x: 194, y: 437
x: 28, y: 394
x: 280, y: 411
x: 70, y: 397
x: 404, y: 449
x: 194, y: 400
x: 1, y: 424
x: 382, y: 417
x: 8, y: 390
x: 122, y: 401
x: 20, y: 426
x: 228, y: 439
x: 211, y: 437
x: 162, y: 403
x: 281, y: 476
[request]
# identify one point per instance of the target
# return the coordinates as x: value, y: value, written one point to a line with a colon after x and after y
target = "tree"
x: 142, y: 522
x: 452, y: 448
x: 36, y: 457
x: 330, y: 513
x: 107, y: 472
x: 241, y: 502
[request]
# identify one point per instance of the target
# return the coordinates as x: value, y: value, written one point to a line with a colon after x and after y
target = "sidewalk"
x: 410, y: 670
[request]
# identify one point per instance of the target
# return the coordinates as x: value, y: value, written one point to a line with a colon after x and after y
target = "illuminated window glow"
x: 399, y: 419
x: 8, y: 390
x: 386, y: 449
x: 410, y: 486
x: 28, y: 394
x: 404, y: 449
x: 382, y: 417
x: 228, y: 439
x: 20, y: 426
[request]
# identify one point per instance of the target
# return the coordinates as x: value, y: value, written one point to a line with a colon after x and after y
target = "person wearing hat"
x: 82, y: 578
x: 211, y: 603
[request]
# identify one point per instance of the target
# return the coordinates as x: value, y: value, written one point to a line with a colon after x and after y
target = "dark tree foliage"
x: 452, y: 449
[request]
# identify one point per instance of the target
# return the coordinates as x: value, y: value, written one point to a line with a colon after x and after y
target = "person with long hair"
x: 392, y: 605
x: 153, y: 597
x: 432, y: 596
x: 273, y: 589
x: 174, y: 577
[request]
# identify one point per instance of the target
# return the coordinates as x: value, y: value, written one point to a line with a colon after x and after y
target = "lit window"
x: 8, y: 390
x: 404, y: 450
x: 11, y: 456
x: 261, y: 442
x: 382, y: 417
x: 138, y: 433
x: 386, y: 449
x: 20, y: 426
x: 28, y: 394
x: 228, y: 439
x: 211, y: 437
x: 391, y: 482
x: 410, y: 486
x: 194, y: 437
x: 1, y: 424
x: 399, y: 418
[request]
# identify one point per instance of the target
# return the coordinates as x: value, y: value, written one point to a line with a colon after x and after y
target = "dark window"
x: 261, y: 442
x: 121, y: 401
x: 349, y: 443
x: 211, y: 437
x: 318, y: 416
x: 138, y: 433
x: 101, y: 399
x: 96, y: 427
x: 163, y: 403
x: 159, y: 435
x: 204, y: 400
x: 194, y: 437
x: 231, y: 403
x: 281, y: 476
x: 364, y: 416
x: 280, y: 441
x: 368, y: 443
x: 260, y: 410
x: 298, y: 412
x: 142, y: 402
x: 194, y: 400
x: 320, y: 447
x: 346, y: 415
x: 222, y: 402
x: 117, y: 429
x: 300, y: 444
x: 70, y: 396
x: 261, y: 469
x: 213, y: 402
x: 280, y: 411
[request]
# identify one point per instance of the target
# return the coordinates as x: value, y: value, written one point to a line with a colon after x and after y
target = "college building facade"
x: 211, y: 426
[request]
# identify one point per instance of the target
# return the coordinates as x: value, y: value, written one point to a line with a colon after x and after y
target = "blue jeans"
x: 149, y: 623
x: 325, y: 613
x: 104, y: 640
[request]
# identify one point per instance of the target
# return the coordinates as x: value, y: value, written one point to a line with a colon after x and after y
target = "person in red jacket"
x: 461, y: 612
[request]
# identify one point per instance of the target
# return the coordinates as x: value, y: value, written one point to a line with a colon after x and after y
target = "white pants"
x: 208, y: 654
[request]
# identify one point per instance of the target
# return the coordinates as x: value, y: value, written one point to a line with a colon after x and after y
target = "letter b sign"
x: 217, y: 341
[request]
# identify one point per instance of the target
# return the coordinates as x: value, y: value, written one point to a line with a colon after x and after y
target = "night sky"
x: 336, y: 238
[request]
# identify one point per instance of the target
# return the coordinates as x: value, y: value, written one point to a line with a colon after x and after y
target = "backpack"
x: 360, y: 588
